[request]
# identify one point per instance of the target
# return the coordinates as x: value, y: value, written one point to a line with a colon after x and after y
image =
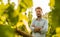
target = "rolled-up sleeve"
x: 45, y: 27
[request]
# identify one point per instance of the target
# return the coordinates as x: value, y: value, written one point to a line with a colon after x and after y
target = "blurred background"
x: 20, y: 13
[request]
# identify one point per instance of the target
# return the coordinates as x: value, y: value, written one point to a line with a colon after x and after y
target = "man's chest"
x: 39, y: 23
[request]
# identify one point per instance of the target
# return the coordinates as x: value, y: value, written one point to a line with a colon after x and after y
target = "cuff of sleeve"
x: 32, y: 28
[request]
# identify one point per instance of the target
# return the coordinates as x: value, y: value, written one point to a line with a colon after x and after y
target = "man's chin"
x: 38, y: 16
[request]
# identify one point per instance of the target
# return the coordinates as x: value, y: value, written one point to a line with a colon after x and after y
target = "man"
x: 39, y: 26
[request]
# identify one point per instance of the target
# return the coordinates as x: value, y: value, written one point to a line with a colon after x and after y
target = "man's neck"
x: 38, y: 18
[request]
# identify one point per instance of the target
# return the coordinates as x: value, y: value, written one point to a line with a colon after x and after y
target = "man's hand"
x: 37, y: 29
x: 33, y: 25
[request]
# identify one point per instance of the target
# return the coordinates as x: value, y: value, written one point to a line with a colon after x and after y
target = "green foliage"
x: 30, y: 17
x: 6, y: 31
x: 10, y: 11
x: 24, y: 4
x: 55, y: 14
x: 9, y: 17
x: 54, y: 17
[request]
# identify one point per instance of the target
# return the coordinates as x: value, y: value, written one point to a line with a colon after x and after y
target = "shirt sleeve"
x: 33, y: 23
x: 45, y: 27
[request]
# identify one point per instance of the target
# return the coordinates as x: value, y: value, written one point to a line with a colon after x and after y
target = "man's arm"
x: 32, y: 26
x: 35, y: 29
x: 44, y: 29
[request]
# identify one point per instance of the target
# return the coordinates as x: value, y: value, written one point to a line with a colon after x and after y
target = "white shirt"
x: 41, y: 23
